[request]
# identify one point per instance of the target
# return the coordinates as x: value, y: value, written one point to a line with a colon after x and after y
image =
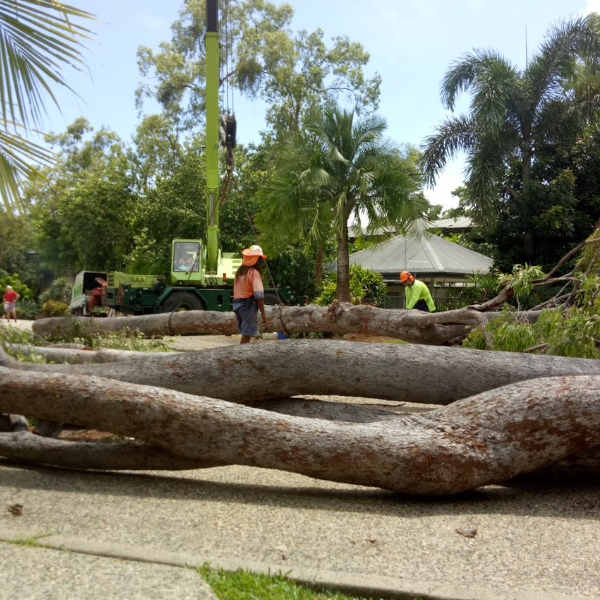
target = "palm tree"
x: 348, y: 172
x: 512, y: 112
x: 37, y: 38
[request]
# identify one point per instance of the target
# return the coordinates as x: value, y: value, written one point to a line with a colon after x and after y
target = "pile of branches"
x: 582, y: 266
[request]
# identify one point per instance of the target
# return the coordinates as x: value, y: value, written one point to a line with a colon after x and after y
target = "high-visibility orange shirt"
x: 248, y: 285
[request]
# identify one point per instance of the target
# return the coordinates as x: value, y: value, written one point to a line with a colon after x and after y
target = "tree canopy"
x: 294, y: 72
x: 520, y: 136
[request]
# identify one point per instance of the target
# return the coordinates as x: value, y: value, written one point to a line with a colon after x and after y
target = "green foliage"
x: 28, y: 309
x: 14, y: 280
x: 60, y: 290
x: 293, y: 72
x: 521, y: 280
x: 82, y: 207
x: 366, y: 287
x: 293, y: 272
x: 12, y: 335
x: 54, y: 308
x: 340, y: 169
x: 121, y: 340
x: 574, y: 331
x: 478, y: 289
x: 39, y: 38
x: 243, y: 585
x: 16, y: 235
x: 531, y: 139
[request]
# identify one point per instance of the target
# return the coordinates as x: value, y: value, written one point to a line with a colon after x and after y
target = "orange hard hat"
x: 405, y: 276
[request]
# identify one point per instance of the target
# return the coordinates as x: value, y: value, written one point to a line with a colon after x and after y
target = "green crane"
x: 212, y: 135
x: 201, y: 276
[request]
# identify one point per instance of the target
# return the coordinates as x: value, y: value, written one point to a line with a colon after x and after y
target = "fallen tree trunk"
x: 29, y: 448
x: 443, y: 328
x: 256, y: 372
x: 487, y: 438
x: 77, y: 355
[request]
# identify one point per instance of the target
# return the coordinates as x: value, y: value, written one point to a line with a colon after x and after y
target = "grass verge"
x: 244, y: 585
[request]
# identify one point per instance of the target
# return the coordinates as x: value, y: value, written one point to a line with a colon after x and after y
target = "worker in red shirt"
x: 95, y: 295
x: 10, y: 300
x: 249, y: 293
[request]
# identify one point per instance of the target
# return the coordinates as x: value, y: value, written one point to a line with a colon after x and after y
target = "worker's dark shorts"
x: 246, y: 311
x: 422, y: 305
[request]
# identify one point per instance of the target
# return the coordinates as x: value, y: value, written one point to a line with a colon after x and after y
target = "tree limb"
x: 487, y: 438
x: 252, y: 373
x: 410, y: 325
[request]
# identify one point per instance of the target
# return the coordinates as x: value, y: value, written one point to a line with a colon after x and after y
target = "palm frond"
x: 452, y: 136
x: 474, y: 69
x: 17, y: 155
x: 556, y: 59
x: 37, y: 39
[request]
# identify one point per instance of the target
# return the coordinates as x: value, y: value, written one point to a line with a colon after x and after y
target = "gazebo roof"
x: 421, y: 253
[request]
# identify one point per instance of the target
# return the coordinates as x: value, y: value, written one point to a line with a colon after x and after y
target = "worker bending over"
x: 417, y: 293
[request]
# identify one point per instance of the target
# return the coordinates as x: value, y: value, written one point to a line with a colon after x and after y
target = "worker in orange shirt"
x: 249, y: 293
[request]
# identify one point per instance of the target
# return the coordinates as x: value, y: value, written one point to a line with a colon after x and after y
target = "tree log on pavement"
x: 487, y: 438
x: 257, y: 372
x: 441, y: 328
x: 77, y: 355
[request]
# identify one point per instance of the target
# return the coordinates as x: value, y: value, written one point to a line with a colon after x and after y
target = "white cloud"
x: 591, y: 6
x: 450, y: 178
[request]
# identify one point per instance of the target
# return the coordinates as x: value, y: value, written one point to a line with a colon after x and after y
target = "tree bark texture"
x: 487, y: 438
x: 442, y: 328
x: 77, y: 355
x: 253, y: 373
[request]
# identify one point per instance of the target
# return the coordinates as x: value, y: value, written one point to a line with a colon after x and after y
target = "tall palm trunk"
x: 343, y: 264
x: 319, y: 264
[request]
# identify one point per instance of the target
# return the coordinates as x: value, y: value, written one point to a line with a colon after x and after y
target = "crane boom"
x: 212, y: 135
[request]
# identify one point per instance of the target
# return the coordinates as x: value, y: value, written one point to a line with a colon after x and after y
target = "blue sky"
x: 411, y: 43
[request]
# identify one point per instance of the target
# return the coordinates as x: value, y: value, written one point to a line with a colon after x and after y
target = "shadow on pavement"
x: 553, y: 498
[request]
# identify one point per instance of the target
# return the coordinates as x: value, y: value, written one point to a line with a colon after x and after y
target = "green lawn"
x: 243, y: 585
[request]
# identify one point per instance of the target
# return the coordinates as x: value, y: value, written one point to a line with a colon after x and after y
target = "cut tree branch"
x: 488, y: 438
x: 251, y: 373
x: 440, y: 328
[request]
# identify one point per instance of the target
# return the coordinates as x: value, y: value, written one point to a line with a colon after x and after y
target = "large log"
x: 77, y: 355
x: 29, y: 448
x: 441, y: 328
x: 256, y: 372
x: 487, y: 438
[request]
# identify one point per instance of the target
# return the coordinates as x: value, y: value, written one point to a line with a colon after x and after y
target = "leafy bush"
x: 366, y: 287
x: 573, y: 331
x: 293, y: 271
x: 54, y: 308
x: 521, y: 279
x: 479, y: 289
x: 28, y: 309
x: 60, y: 290
x: 17, y: 284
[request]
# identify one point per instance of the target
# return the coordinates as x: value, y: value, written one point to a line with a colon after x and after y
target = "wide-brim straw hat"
x: 251, y: 255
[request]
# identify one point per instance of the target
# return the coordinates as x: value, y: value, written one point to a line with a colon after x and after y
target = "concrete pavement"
x: 536, y: 541
x: 525, y: 541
